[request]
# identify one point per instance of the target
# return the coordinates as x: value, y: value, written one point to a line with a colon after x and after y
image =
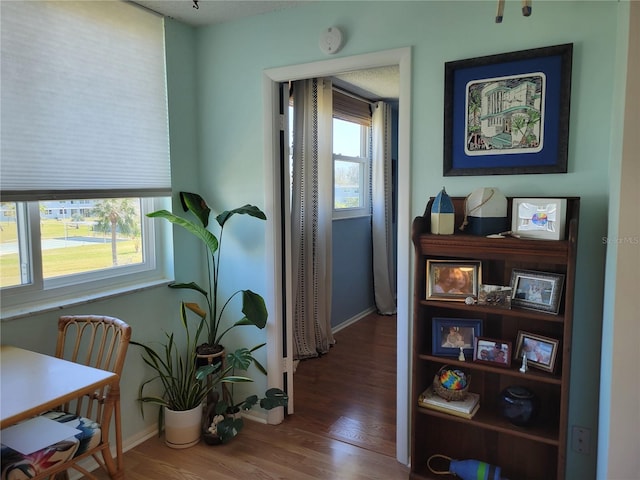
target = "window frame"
x: 41, y: 294
x: 364, y: 160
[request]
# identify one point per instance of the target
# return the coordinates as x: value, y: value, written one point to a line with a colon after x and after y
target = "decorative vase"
x: 182, y: 429
x: 519, y: 405
x: 442, y: 214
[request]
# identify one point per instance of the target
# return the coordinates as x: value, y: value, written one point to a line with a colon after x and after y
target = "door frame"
x: 278, y: 295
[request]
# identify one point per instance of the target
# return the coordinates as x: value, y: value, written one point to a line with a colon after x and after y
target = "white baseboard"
x: 90, y: 464
x: 353, y: 319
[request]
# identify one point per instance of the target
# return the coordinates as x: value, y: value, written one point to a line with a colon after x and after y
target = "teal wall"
x: 216, y: 121
x: 231, y: 58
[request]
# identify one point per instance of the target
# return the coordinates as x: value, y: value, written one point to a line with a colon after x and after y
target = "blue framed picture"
x: 450, y: 334
x: 508, y: 113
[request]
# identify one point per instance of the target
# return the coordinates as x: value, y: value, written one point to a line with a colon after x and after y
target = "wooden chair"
x: 100, y: 342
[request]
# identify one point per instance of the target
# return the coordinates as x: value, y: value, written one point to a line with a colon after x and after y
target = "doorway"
x: 278, y: 298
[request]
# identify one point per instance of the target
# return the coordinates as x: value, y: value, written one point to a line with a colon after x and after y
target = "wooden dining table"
x: 32, y: 383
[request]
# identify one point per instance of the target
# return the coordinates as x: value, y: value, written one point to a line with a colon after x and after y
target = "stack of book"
x: 466, y: 408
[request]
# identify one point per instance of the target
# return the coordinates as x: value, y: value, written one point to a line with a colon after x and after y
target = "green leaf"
x: 247, y: 209
x: 229, y: 428
x: 195, y: 204
x: 240, y: 359
x: 249, y: 402
x: 199, y: 231
x: 274, y: 397
x: 236, y: 379
x: 190, y: 286
x: 254, y: 309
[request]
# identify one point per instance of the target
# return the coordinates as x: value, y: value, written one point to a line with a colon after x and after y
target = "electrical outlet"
x: 581, y: 440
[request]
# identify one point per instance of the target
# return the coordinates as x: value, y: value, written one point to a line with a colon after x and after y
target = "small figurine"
x: 524, y: 367
x: 461, y: 356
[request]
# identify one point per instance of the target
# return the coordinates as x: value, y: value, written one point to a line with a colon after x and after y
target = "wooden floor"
x: 343, y: 427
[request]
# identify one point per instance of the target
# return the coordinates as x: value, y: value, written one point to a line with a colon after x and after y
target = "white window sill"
x: 14, y: 313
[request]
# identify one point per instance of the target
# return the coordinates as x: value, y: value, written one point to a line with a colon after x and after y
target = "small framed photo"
x: 539, y: 218
x: 492, y: 351
x: 541, y: 352
x: 494, y: 296
x: 453, y: 280
x: 451, y: 334
x: 536, y: 290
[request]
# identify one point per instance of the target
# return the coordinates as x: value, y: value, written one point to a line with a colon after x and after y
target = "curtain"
x: 384, y: 272
x: 311, y: 214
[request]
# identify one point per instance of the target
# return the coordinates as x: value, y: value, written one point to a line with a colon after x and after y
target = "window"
x: 85, y: 152
x: 351, y: 131
x: 49, y: 254
x: 350, y: 169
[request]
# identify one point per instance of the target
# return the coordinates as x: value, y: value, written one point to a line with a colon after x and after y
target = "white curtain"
x: 311, y: 213
x: 384, y: 272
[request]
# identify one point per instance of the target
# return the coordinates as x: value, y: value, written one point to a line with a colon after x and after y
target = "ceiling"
x: 210, y: 12
x: 373, y: 84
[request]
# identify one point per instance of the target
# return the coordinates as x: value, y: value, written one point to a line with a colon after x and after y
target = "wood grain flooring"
x: 343, y: 427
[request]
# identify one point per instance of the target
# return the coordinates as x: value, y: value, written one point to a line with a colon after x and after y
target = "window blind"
x: 351, y: 109
x: 84, y: 104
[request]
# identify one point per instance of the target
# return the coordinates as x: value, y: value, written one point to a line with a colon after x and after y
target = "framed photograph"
x: 542, y: 218
x: 449, y: 334
x: 453, y: 280
x: 492, y: 351
x: 541, y: 352
x: 494, y: 296
x: 508, y: 113
x: 536, y: 290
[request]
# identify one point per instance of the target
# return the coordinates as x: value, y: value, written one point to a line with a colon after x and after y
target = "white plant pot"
x: 182, y: 429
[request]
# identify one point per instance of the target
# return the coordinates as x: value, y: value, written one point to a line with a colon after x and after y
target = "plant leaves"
x: 199, y: 231
x: 244, y: 210
x: 254, y: 308
x: 274, y: 397
x: 228, y: 428
x: 195, y: 204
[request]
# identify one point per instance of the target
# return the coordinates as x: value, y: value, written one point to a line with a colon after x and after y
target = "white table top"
x: 32, y: 383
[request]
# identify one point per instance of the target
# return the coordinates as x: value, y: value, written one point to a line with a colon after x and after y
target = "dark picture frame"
x: 453, y: 280
x: 508, y: 114
x: 492, y: 351
x: 541, y: 351
x: 449, y: 334
x: 536, y: 290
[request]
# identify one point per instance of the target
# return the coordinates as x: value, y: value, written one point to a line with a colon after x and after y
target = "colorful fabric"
x: 453, y: 379
x: 16, y: 466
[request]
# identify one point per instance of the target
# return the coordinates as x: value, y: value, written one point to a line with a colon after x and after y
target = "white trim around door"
x: 279, y: 304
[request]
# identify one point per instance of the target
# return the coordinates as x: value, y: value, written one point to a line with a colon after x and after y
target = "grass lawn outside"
x: 68, y: 248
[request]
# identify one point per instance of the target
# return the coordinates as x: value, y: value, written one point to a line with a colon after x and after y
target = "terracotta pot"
x: 182, y: 429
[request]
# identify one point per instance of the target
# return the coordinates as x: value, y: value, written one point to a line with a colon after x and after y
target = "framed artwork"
x: 536, y: 290
x: 453, y: 280
x: 508, y: 113
x: 541, y: 352
x: 451, y: 334
x: 494, y: 296
x: 542, y: 218
x: 492, y: 351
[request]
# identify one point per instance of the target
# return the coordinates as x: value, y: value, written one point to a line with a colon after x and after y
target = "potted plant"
x: 185, y: 385
x: 223, y: 420
x: 253, y: 309
x: 253, y: 305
